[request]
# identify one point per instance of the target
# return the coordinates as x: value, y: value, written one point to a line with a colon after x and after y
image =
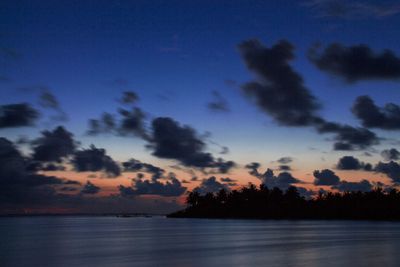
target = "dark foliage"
x: 264, y: 203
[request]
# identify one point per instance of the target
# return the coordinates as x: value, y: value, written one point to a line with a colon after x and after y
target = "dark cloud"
x: 18, y: 182
x: 219, y: 103
x: 129, y: 97
x: 390, y: 154
x: 325, y: 177
x: 285, y: 160
x: 372, y: 116
x: 17, y: 115
x: 224, y: 150
x: 23, y: 190
x: 283, y: 180
x: 278, y: 90
x: 355, y: 63
x: 125, y: 123
x: 95, y: 159
x: 105, y: 124
x: 68, y: 189
x: 9, y: 52
x: 90, y: 188
x: 223, y: 166
x: 352, y: 163
x: 284, y: 167
x: 4, y: 78
x: 363, y: 186
x: 229, y: 181
x: 253, y: 167
x: 210, y: 185
x: 172, y: 188
x: 172, y: 141
x: 48, y: 100
x: 353, y: 9
x: 53, y: 145
x: 134, y: 165
x: 47, y: 167
x: 348, y: 137
x: 391, y: 169
x: 132, y: 122
x: 72, y: 182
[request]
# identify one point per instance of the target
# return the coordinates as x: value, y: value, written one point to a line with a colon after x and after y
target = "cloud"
x: 278, y: 90
x: 105, y: 124
x: 67, y: 189
x: 229, y: 181
x: 363, y: 186
x: 390, y: 154
x: 356, y: 63
x: 284, y: 167
x: 348, y: 137
x: 223, y: 166
x: 285, y: 160
x: 224, y: 150
x: 48, y: 100
x: 372, y: 116
x: 132, y: 122
x: 353, y: 9
x: 210, y: 185
x: 391, y: 169
x: 17, y: 115
x: 23, y: 190
x: 253, y: 167
x: 325, y: 177
x: 172, y: 188
x: 125, y: 123
x: 90, y: 188
x: 283, y: 181
x: 171, y: 140
x: 352, y: 163
x: 48, y: 167
x: 18, y: 182
x: 219, y: 104
x: 95, y: 159
x: 135, y: 165
x: 53, y: 145
x: 129, y: 97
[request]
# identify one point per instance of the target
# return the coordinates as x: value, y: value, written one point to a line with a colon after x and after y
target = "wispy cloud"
x: 353, y: 9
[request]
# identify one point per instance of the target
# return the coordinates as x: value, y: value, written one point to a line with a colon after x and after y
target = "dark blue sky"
x: 174, y: 54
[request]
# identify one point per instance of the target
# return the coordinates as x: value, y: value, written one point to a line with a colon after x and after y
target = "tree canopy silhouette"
x: 264, y: 203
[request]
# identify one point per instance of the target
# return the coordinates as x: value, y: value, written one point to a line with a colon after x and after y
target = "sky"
x: 125, y: 106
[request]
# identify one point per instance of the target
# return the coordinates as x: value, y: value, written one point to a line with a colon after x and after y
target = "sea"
x: 160, y: 241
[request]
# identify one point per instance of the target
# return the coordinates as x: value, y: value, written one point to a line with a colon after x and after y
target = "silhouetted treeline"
x: 265, y: 203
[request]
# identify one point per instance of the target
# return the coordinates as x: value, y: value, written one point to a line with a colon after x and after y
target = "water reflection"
x: 110, y: 241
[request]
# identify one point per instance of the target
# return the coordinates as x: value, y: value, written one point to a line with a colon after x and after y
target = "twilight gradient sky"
x: 76, y: 59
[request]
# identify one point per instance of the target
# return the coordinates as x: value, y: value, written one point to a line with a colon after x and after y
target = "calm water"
x: 111, y: 241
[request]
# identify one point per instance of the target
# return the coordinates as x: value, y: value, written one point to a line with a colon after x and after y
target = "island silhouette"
x: 251, y: 202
